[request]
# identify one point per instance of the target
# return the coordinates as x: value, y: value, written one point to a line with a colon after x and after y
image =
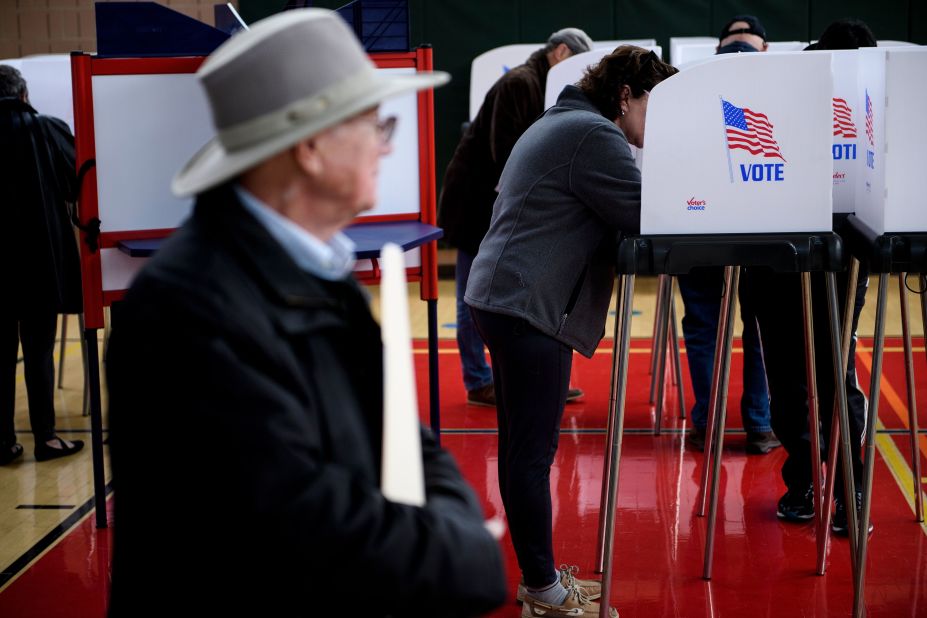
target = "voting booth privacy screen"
x: 740, y: 145
x: 892, y: 99
x: 142, y: 120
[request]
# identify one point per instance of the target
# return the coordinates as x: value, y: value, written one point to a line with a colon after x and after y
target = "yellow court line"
x: 896, y: 462
x: 894, y: 400
x: 901, y: 471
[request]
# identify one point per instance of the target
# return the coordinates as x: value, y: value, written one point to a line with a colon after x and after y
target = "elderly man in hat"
x: 248, y: 328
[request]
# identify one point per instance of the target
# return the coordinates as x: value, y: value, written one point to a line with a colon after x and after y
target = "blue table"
x: 369, y: 239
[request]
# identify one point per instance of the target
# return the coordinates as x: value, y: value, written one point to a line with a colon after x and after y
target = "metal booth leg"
x: 677, y: 363
x: 835, y: 437
x: 726, y: 295
x: 96, y: 426
x: 814, y: 420
x: 434, y: 395
x: 658, y: 347
x: 662, y: 337
x: 614, y: 454
x: 61, y: 344
x: 912, y: 398
x: 724, y: 352
x: 604, y: 507
x: 849, y: 487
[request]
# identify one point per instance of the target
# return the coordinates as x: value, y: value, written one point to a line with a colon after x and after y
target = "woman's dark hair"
x: 628, y: 65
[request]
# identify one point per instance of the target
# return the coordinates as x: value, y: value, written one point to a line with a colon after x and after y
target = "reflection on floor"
x: 763, y: 567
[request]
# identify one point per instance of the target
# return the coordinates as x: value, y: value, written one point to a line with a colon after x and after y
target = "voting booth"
x: 746, y: 153
x: 138, y: 120
x: 737, y: 171
x: 892, y: 91
x: 489, y: 66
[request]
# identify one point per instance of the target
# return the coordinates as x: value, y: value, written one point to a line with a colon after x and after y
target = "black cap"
x: 755, y: 27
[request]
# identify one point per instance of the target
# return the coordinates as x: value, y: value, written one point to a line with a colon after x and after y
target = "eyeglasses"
x: 386, y: 127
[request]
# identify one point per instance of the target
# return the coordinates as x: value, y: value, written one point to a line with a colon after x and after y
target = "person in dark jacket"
x: 541, y: 285
x: 249, y: 331
x: 469, y: 189
x: 38, y: 176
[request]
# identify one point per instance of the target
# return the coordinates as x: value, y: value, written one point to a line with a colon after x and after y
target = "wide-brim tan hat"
x: 289, y: 77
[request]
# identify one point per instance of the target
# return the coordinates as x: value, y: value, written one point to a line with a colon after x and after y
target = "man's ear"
x: 765, y: 46
x: 307, y: 156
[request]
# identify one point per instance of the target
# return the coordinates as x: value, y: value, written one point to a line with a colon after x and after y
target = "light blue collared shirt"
x: 332, y: 260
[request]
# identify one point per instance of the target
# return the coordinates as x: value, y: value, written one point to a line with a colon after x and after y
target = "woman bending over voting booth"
x: 540, y: 288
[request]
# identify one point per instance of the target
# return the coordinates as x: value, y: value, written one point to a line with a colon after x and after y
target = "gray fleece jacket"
x: 569, y: 187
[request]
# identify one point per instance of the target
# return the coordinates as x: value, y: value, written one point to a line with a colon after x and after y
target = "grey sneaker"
x: 575, y: 604
x: 482, y: 396
x: 592, y: 588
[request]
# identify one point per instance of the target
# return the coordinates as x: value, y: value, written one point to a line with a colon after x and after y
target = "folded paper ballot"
x: 403, y: 478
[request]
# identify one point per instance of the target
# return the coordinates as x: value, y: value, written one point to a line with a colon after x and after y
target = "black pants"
x: 776, y: 299
x: 531, y: 372
x: 37, y: 333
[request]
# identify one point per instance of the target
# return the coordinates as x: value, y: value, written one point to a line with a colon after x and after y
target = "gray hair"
x: 574, y: 38
x: 12, y: 83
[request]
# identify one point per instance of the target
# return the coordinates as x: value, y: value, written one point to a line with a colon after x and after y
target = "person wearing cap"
x: 248, y: 329
x: 777, y: 297
x: 469, y: 188
x: 743, y: 33
x: 38, y: 177
x: 701, y: 291
x: 541, y: 285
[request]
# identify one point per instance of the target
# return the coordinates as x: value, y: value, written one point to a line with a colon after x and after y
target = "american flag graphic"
x: 750, y: 131
x: 869, y: 119
x: 843, y: 119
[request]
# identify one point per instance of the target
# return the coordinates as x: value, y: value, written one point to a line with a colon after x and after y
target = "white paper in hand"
x: 403, y: 479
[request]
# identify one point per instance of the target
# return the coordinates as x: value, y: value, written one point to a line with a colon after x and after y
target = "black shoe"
x: 573, y: 394
x: 761, y: 442
x: 482, y: 396
x: 838, y: 524
x: 10, y: 452
x: 43, y: 452
x: 696, y: 439
x: 797, y: 504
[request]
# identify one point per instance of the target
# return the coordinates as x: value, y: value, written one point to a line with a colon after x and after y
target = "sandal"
x: 10, y: 453
x: 43, y: 452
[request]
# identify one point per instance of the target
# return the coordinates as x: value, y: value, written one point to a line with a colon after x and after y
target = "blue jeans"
x: 476, y: 372
x: 701, y: 294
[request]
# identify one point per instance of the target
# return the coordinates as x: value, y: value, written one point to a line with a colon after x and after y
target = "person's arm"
x: 603, y: 175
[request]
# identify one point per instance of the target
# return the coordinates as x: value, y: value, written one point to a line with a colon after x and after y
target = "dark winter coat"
x: 469, y: 189
x: 38, y: 177
x: 246, y: 413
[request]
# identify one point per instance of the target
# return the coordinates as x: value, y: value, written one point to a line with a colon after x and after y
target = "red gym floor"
x: 762, y: 567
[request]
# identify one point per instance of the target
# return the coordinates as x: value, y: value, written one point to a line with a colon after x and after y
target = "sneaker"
x: 574, y: 393
x: 592, y: 588
x: 44, y: 452
x: 838, y: 524
x: 797, y: 504
x: 761, y: 442
x: 696, y: 439
x: 575, y: 604
x: 482, y: 396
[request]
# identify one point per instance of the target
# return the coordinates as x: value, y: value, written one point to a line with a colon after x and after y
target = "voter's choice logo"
x: 844, y: 128
x: 696, y: 204
x: 870, y: 134
x: 746, y: 129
